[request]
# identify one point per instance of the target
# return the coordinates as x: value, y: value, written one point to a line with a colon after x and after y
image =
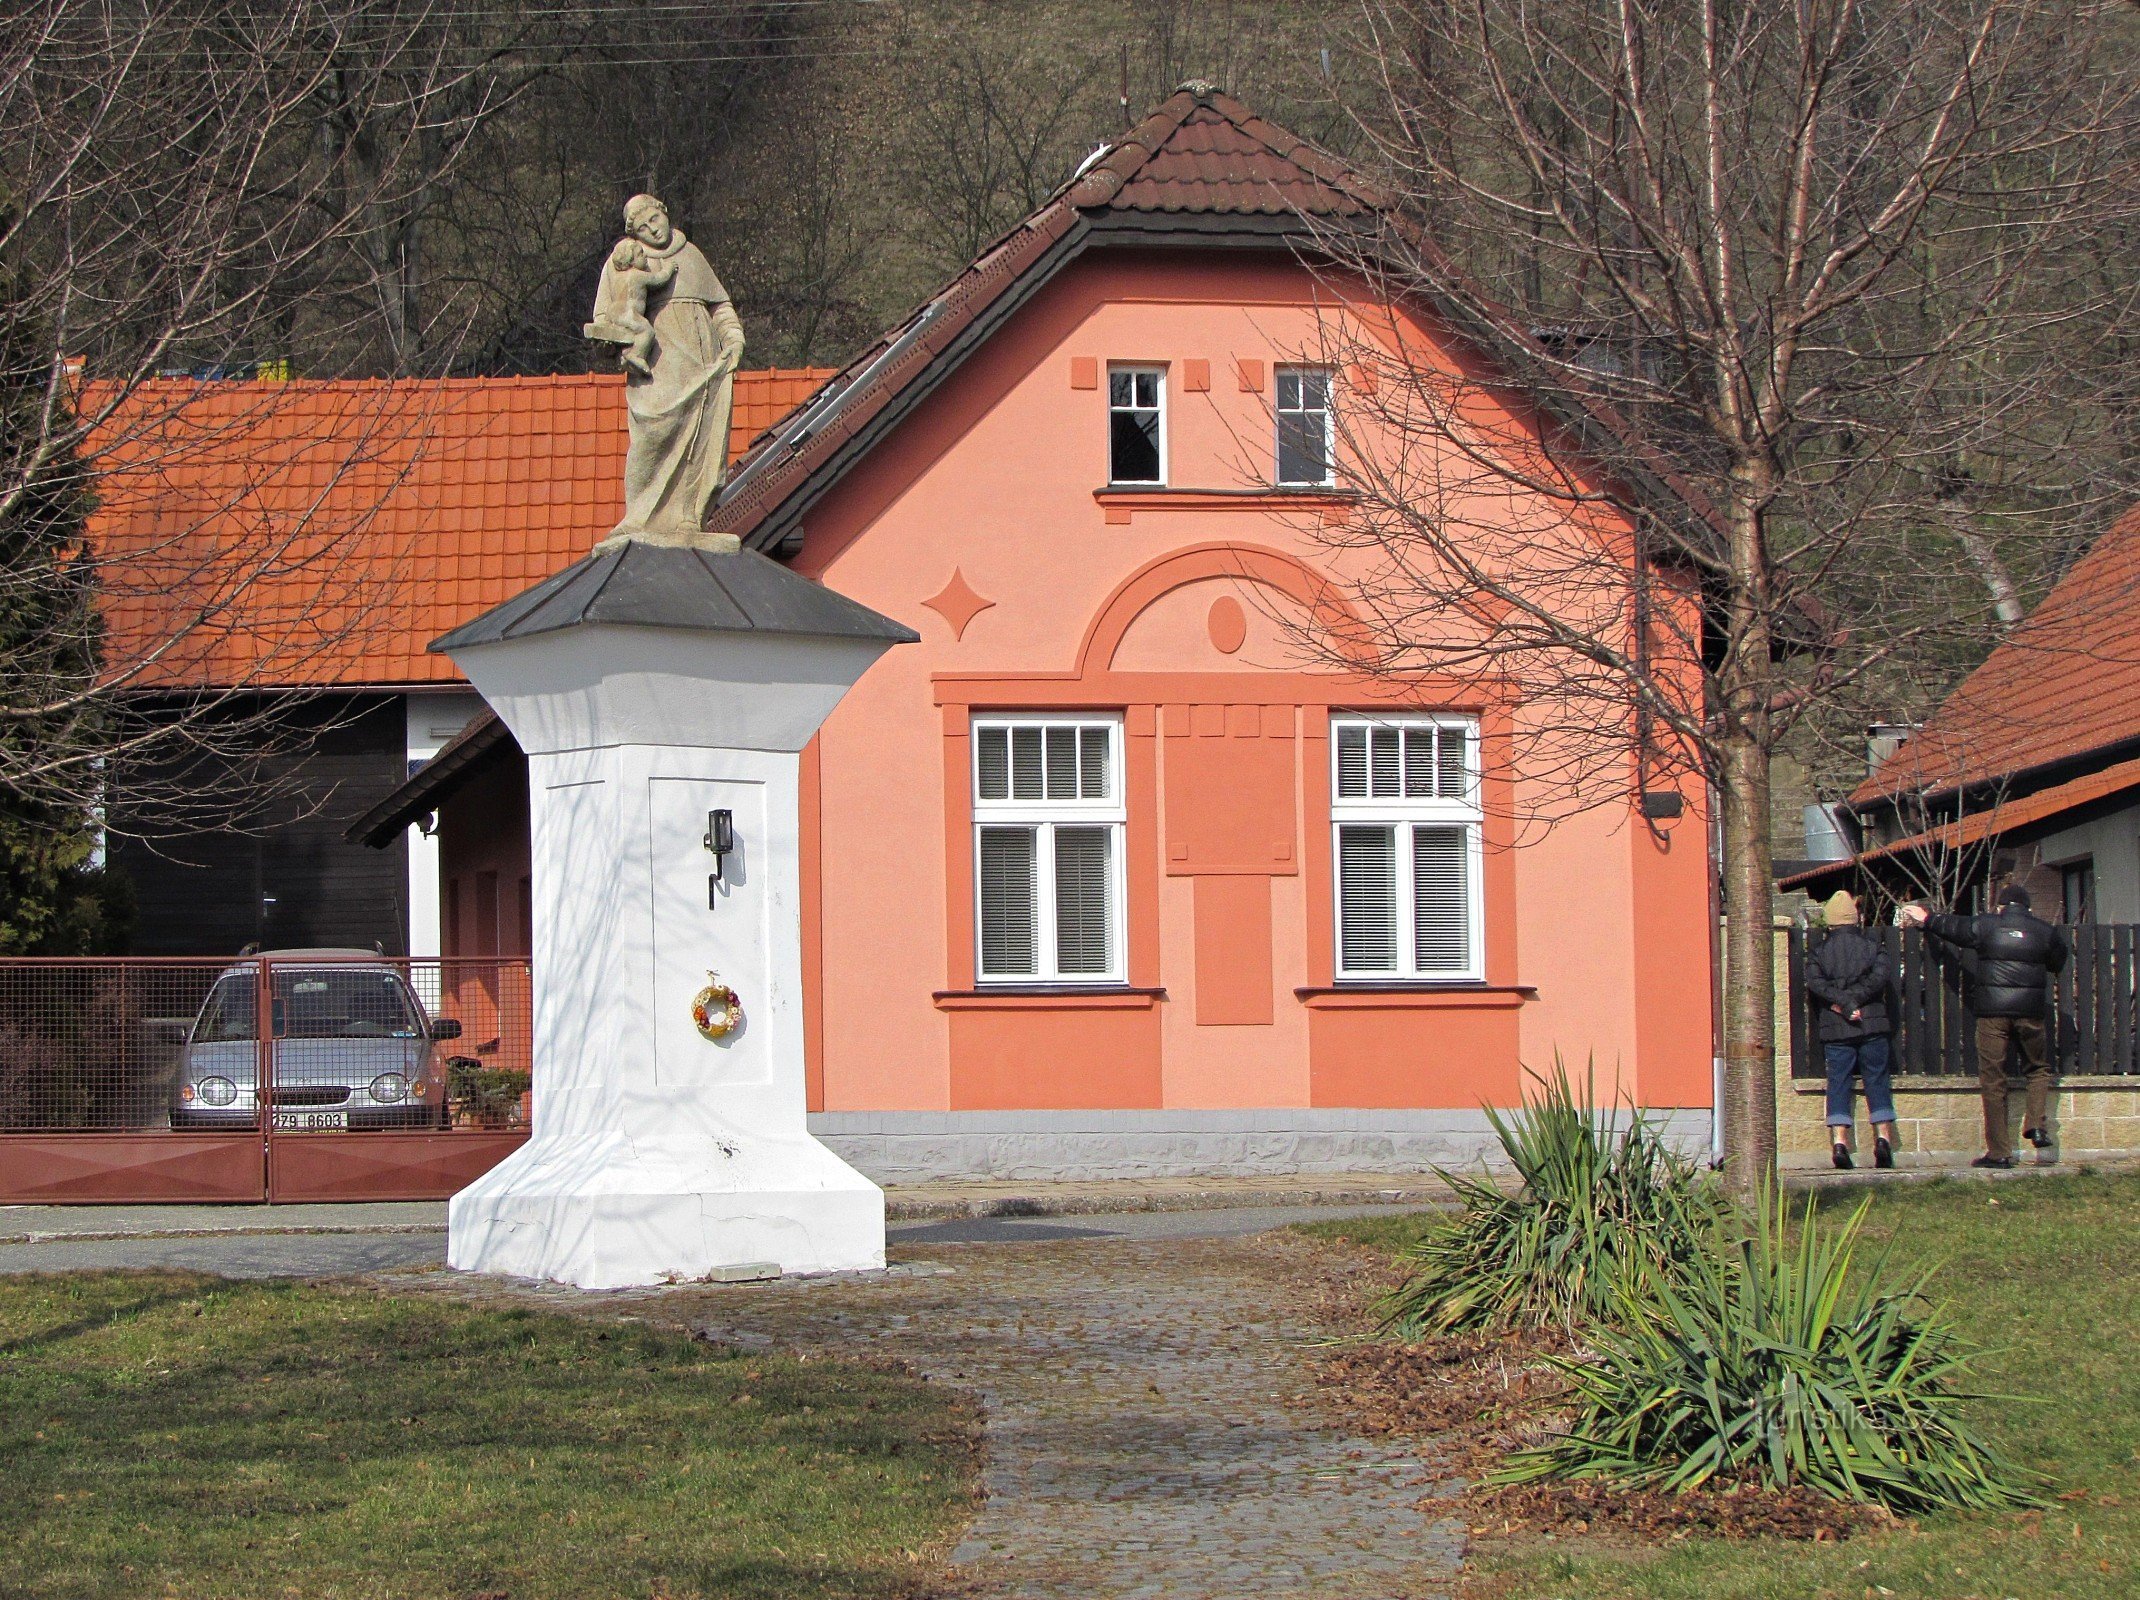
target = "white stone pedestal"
x: 658, y: 1155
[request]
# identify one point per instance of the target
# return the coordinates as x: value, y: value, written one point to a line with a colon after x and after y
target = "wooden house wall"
x: 291, y: 880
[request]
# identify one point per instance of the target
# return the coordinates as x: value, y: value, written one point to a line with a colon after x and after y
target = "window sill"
x: 1049, y: 997
x: 1121, y: 501
x: 1416, y: 996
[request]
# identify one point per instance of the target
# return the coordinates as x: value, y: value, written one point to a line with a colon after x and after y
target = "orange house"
x: 1112, y: 873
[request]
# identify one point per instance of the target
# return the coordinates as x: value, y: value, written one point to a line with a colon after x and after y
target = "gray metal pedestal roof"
x: 671, y: 586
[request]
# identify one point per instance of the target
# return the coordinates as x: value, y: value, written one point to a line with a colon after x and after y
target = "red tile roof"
x: 2062, y: 685
x: 324, y: 533
x: 1221, y: 157
x: 1978, y: 826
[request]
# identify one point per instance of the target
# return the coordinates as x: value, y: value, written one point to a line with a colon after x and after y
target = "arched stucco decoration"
x: 1252, y: 563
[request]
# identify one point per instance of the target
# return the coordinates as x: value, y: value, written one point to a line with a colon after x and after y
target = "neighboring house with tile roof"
x: 304, y: 542
x: 1110, y: 872
x: 2029, y: 771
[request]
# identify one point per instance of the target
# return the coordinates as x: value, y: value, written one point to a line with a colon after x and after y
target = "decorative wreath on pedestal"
x: 716, y: 1010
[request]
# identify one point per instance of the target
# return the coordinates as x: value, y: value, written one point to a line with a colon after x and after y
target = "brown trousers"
x: 1992, y: 1036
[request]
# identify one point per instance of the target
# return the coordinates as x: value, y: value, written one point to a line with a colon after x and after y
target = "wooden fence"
x: 2093, y: 1021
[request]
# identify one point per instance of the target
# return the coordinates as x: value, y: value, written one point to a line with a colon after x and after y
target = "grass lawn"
x: 168, y: 1434
x: 2043, y: 1273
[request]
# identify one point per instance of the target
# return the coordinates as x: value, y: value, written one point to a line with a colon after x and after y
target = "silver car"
x: 352, y: 1047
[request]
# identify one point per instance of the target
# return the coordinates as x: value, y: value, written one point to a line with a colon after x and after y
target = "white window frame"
x: 1158, y: 373
x: 1279, y: 414
x: 1044, y: 817
x: 1402, y: 814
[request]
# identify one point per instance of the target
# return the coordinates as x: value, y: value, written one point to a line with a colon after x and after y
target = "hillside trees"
x: 54, y: 899
x: 191, y: 193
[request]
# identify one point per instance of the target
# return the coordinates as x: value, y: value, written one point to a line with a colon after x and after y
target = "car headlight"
x: 216, y: 1091
x: 389, y: 1087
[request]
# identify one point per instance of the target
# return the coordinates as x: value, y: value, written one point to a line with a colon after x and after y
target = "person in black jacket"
x: 2013, y: 954
x: 1849, y: 974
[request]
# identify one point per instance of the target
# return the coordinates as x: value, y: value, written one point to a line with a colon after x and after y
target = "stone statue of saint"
x: 679, y: 343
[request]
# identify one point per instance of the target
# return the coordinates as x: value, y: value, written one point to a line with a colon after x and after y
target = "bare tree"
x: 190, y: 196
x: 1775, y: 298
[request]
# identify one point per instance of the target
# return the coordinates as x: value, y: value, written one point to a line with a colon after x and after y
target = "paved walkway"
x: 1151, y: 1426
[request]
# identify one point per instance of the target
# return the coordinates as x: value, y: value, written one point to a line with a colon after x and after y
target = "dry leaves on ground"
x: 1475, y: 1398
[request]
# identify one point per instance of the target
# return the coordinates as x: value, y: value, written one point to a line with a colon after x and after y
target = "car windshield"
x: 337, y: 1003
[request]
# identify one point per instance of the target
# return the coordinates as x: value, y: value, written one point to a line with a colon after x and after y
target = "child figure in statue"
x: 622, y: 318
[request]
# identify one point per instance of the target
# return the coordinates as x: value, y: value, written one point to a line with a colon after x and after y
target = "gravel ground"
x: 1151, y: 1425
x: 1152, y: 1430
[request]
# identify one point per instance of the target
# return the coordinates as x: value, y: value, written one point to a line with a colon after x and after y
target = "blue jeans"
x: 1866, y: 1058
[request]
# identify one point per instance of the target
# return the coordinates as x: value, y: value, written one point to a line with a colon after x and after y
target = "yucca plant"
x: 1761, y: 1359
x: 1595, y: 1197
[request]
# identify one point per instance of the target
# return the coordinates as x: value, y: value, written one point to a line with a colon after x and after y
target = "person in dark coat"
x: 2012, y: 955
x: 1850, y: 973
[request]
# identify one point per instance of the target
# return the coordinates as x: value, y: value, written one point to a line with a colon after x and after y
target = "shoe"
x: 2037, y: 1137
x: 1998, y: 1163
x: 1883, y: 1154
x: 1843, y: 1163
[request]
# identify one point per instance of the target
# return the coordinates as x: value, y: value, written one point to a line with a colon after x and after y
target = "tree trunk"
x: 1745, y: 694
x: 1749, y: 1109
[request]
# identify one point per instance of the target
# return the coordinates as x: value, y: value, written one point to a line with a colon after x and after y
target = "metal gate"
x: 2095, y: 1012
x: 315, y: 1075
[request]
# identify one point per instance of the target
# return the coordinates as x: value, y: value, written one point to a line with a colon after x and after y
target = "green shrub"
x: 1764, y: 1360
x: 487, y: 1095
x: 1595, y: 1200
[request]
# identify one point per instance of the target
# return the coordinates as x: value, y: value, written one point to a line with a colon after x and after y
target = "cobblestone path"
x: 1147, y: 1429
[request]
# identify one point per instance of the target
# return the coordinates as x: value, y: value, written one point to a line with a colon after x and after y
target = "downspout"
x: 1715, y: 860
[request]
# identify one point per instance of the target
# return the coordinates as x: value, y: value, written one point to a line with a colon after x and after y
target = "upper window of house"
x: 1304, y: 442
x: 1136, y: 425
x: 1048, y: 878
x: 1405, y: 819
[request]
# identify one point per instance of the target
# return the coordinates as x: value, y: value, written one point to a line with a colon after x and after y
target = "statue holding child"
x: 679, y: 341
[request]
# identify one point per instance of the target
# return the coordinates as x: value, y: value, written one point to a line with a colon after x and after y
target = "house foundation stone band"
x: 1122, y: 1146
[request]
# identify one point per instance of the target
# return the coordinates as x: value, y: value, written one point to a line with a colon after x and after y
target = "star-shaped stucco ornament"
x: 957, y: 603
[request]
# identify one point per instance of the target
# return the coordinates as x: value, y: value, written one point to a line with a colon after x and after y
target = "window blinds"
x: 1441, y: 911
x: 1083, y: 876
x: 1042, y: 763
x: 1008, y: 893
x: 1048, y: 845
x: 1367, y: 899
x: 1409, y: 763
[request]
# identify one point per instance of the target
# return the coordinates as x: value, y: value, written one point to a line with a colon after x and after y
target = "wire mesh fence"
x: 285, y: 1044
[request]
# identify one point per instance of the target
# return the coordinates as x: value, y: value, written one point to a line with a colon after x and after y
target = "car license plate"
x: 308, y: 1121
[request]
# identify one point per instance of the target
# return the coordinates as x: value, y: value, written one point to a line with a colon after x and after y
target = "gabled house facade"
x: 1114, y: 871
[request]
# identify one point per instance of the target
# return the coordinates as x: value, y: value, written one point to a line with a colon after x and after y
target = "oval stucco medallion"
x: 1227, y: 623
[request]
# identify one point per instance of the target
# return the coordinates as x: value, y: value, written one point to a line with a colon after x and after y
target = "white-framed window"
x: 1136, y: 425
x: 1404, y: 817
x: 1305, y: 449
x: 1048, y: 876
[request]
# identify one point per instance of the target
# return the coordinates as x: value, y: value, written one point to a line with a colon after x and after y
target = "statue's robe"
x: 678, y: 455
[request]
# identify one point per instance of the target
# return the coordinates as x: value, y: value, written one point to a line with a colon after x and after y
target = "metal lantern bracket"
x: 720, y: 840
